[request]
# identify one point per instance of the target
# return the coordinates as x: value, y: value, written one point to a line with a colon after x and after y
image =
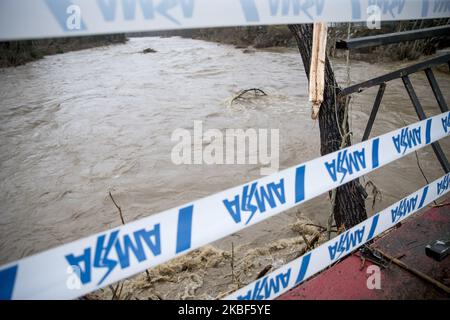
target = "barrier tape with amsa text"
x: 34, y: 19
x: 119, y: 253
x: 295, y: 272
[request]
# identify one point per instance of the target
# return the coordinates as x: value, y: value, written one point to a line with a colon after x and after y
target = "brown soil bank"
x: 280, y: 36
x: 15, y: 53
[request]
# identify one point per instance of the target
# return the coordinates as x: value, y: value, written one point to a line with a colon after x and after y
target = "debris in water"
x: 249, y: 51
x: 149, y: 50
x: 243, y: 94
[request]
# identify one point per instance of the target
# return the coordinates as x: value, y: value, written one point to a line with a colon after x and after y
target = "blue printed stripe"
x: 428, y: 131
x: 7, y: 280
x: 424, y: 196
x: 303, y: 268
x: 300, y: 184
x: 375, y: 148
x: 373, y: 227
x: 184, y: 228
x: 424, y: 8
x: 356, y: 10
x: 250, y: 11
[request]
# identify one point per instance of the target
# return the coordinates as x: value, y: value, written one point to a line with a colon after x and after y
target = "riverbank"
x: 15, y: 53
x: 261, y: 37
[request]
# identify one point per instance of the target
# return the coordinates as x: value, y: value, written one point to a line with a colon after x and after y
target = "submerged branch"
x: 118, y: 208
x: 240, y: 95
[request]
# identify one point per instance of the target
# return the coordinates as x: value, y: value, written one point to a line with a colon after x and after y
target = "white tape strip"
x: 290, y: 275
x: 119, y: 253
x: 30, y: 19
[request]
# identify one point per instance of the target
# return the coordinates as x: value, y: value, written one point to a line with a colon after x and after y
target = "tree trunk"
x: 349, y: 208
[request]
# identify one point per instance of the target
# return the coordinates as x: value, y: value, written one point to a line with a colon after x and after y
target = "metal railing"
x: 404, y: 74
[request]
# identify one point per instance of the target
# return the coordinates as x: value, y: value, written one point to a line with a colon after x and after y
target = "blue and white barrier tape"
x: 124, y: 251
x: 32, y: 19
x: 295, y: 272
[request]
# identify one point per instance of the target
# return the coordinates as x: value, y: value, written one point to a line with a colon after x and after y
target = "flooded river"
x: 77, y: 125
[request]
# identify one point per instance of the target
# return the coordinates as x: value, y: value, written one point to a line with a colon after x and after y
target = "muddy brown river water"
x: 77, y: 125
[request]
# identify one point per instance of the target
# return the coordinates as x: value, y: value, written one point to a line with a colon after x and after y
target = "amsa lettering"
x: 264, y: 288
x: 405, y: 207
x: 407, y: 139
x: 446, y: 121
x: 112, y: 250
x: 346, y: 243
x: 255, y: 198
x: 438, y: 6
x: 296, y: 7
x: 409, y: 205
x: 149, y: 9
x: 308, y: 8
x: 443, y: 185
x: 392, y: 7
x: 131, y: 9
x: 346, y: 163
